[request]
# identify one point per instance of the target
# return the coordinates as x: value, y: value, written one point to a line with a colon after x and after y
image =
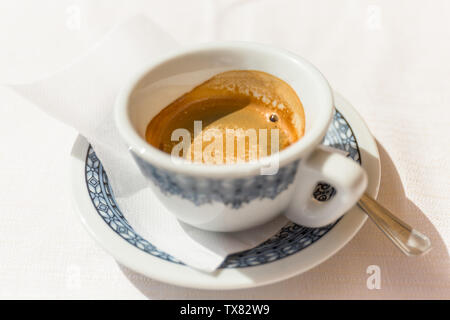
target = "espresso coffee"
x: 238, y: 115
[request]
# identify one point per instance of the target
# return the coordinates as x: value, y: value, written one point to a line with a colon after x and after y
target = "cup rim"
x: 144, y: 150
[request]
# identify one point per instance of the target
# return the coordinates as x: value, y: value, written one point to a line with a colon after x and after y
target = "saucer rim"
x: 231, y: 278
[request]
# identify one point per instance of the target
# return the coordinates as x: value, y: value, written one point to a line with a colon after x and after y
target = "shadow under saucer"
x: 344, y: 275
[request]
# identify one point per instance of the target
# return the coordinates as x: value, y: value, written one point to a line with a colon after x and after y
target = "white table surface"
x: 389, y: 59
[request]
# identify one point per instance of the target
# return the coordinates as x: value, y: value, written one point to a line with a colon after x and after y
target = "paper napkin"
x: 82, y: 95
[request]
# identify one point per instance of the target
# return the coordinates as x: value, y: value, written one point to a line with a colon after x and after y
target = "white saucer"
x: 293, y: 251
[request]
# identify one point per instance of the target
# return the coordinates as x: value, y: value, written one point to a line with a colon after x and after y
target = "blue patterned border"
x: 290, y: 239
x: 234, y: 192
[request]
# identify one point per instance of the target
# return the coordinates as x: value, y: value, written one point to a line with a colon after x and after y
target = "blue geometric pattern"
x: 231, y: 192
x: 103, y: 200
x: 290, y: 239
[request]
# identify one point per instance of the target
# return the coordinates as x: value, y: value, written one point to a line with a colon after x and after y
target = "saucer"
x: 293, y: 250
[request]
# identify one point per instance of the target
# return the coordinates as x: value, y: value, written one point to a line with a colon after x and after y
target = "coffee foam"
x: 258, y: 85
x: 238, y: 99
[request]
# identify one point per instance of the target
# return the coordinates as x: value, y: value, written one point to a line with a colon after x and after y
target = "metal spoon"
x: 410, y: 241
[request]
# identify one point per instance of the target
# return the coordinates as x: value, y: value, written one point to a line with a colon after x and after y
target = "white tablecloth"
x: 390, y: 59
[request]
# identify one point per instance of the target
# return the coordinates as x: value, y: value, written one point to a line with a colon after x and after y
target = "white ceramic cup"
x: 234, y: 197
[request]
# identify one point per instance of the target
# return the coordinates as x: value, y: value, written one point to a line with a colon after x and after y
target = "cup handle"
x: 324, y: 166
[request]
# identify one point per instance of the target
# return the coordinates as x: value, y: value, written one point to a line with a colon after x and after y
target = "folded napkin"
x: 83, y: 94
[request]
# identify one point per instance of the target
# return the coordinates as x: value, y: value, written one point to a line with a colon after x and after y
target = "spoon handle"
x: 407, y: 239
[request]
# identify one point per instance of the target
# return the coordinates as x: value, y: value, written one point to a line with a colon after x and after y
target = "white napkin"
x: 83, y: 94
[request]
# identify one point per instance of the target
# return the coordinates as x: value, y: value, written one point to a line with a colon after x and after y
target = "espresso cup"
x: 238, y: 196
